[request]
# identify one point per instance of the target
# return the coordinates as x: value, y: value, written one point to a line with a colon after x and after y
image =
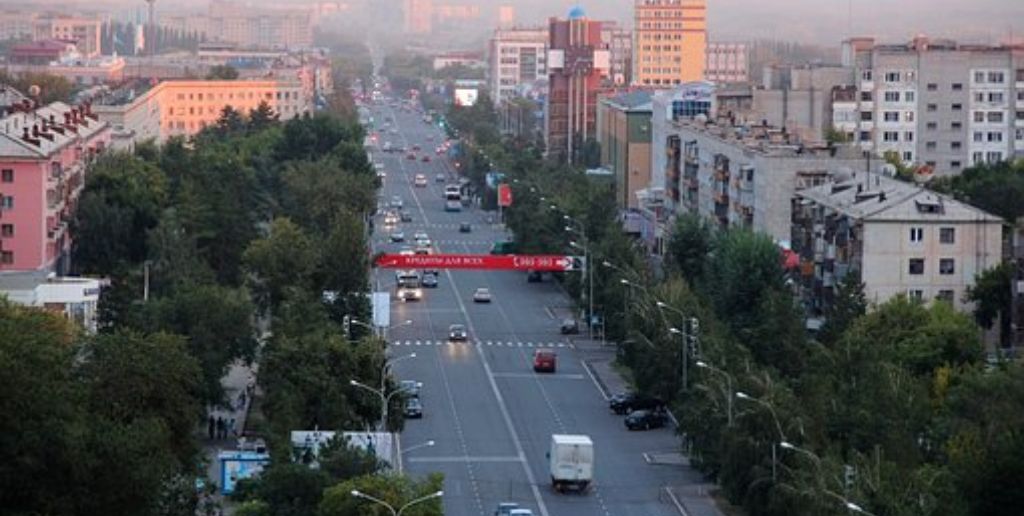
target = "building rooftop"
x: 636, y: 100
x: 767, y: 140
x: 38, y: 133
x: 879, y: 198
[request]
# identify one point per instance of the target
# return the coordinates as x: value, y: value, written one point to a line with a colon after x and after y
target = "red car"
x: 544, y: 361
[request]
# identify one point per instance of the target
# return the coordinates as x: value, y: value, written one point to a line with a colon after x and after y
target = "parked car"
x: 570, y: 326
x: 425, y: 158
x: 544, y: 361
x: 457, y: 333
x: 465, y: 227
x: 624, y: 403
x: 413, y: 408
x: 646, y: 419
x: 410, y: 156
x: 482, y: 295
x: 534, y: 277
x: 429, y: 281
x: 411, y: 388
x: 397, y: 236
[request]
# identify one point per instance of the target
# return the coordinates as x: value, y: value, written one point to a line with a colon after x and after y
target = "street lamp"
x: 383, y: 396
x: 786, y: 445
x: 418, y: 446
x: 775, y: 417
x: 728, y: 384
x: 396, y: 512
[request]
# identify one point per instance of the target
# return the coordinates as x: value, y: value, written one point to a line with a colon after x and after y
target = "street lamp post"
x: 400, y: 510
x: 381, y: 393
x: 728, y: 387
x: 778, y: 426
x: 590, y: 284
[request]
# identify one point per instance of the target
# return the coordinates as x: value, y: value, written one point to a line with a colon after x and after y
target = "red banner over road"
x: 516, y: 262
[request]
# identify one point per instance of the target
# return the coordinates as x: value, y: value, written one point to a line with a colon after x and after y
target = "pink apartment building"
x: 43, y: 156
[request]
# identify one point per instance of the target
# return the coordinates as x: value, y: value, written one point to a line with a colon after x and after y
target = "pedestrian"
x: 231, y: 427
x: 241, y: 401
x: 210, y: 426
x: 220, y: 427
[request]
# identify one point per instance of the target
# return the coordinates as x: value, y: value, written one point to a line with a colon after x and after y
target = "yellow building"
x: 183, y: 108
x: 671, y: 41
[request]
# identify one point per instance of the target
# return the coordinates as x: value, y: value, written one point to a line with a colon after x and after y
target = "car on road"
x: 411, y: 388
x: 413, y: 408
x: 429, y: 281
x: 465, y: 227
x: 420, y: 235
x: 482, y: 295
x: 410, y: 156
x: 569, y: 326
x: 457, y: 333
x: 406, y: 216
x: 452, y: 206
x: 646, y: 419
x: 420, y: 181
x: 390, y: 219
x: 534, y: 277
x: 406, y: 251
x: 439, y: 178
x: 511, y: 509
x: 624, y: 403
x: 396, y: 202
x: 423, y: 250
x: 544, y: 361
x: 397, y: 236
x: 425, y: 158
x: 416, y: 148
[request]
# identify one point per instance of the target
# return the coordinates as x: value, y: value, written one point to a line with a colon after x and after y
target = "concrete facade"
x: 44, y: 153
x: 671, y: 41
x: 624, y: 133
x: 727, y: 63
x: 899, y: 238
x: 799, y: 98
x: 517, y: 62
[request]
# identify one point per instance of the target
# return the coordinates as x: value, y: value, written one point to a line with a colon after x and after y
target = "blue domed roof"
x: 577, y: 12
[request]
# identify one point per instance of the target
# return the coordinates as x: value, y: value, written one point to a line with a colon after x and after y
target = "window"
x: 932, y: 86
x: 996, y: 77
x: 908, y: 156
x: 908, y: 96
x: 908, y: 116
x: 979, y: 97
x: 6, y: 230
x: 945, y: 296
x: 932, y: 107
x: 995, y: 117
x: 892, y: 77
x: 908, y: 136
x: 892, y: 96
x: 977, y: 157
x: 958, y: 86
x: 947, y: 235
x: 931, y: 126
x: 995, y: 97
x: 956, y: 126
x: 993, y: 157
x: 1020, y: 75
x: 865, y: 136
x: 979, y: 136
x: 915, y: 294
x: 890, y: 136
x: 954, y: 164
x: 957, y: 107
x: 929, y: 145
x: 1020, y: 116
x: 947, y: 266
x: 865, y: 96
x: 6, y: 202
x: 865, y: 116
x: 7, y: 175
x: 6, y: 257
x: 916, y: 234
x: 916, y: 266
x: 891, y: 116
x: 865, y: 75
x: 979, y: 77
x: 954, y: 145
x: 979, y: 117
x: 995, y: 137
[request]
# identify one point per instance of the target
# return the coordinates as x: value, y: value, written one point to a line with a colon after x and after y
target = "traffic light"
x: 346, y: 323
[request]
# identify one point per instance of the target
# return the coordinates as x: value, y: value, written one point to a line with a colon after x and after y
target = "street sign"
x: 517, y: 262
x: 504, y: 195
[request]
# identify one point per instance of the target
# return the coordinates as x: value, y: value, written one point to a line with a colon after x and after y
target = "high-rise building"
x: 506, y: 16
x: 248, y: 26
x: 578, y: 63
x: 620, y: 48
x: 84, y: 32
x: 671, y: 40
x: 727, y: 63
x: 517, y: 62
x: 938, y: 103
x: 418, y: 16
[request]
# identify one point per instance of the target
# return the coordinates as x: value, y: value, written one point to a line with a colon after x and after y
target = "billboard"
x: 466, y: 97
x: 481, y: 262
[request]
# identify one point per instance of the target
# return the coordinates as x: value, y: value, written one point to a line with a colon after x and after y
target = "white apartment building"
x: 517, y: 61
x: 727, y: 63
x: 938, y: 103
x: 897, y: 237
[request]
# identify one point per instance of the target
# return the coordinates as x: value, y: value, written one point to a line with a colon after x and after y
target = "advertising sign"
x: 517, y: 262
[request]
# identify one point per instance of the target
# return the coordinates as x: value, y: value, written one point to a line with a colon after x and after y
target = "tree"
x: 230, y: 122
x: 222, y: 73
x: 342, y: 461
x: 747, y: 266
x: 174, y: 256
x: 393, y: 489
x: 689, y: 246
x: 996, y: 188
x: 285, y: 257
x: 992, y: 295
x: 290, y: 489
x: 52, y: 88
x: 262, y: 117
x: 847, y: 306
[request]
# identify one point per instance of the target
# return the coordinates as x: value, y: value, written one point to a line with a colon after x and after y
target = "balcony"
x: 721, y: 198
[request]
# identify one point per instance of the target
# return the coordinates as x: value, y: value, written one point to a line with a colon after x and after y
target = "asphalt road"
x: 489, y: 414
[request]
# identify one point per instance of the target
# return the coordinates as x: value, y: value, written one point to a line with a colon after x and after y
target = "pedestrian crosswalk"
x: 484, y: 343
x: 480, y: 243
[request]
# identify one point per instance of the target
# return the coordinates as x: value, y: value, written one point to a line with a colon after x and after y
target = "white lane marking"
x: 600, y: 389
x: 417, y: 343
x: 464, y: 458
x: 540, y: 376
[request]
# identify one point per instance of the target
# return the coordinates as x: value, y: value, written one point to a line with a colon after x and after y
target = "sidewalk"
x: 688, y: 499
x: 238, y: 380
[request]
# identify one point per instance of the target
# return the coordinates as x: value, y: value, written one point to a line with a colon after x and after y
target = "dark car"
x: 534, y: 277
x: 628, y: 402
x: 429, y: 281
x: 405, y: 216
x: 646, y: 419
x: 465, y: 227
x: 413, y: 408
x: 457, y: 333
x: 570, y: 326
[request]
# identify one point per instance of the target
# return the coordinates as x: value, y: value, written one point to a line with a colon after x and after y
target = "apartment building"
x: 619, y: 41
x: 185, y: 107
x: 738, y: 175
x: 624, y: 133
x: 578, y: 64
x: 897, y: 237
x: 62, y: 58
x: 938, y: 103
x: 671, y: 41
x: 799, y: 98
x: 44, y: 152
x: 517, y: 62
x: 84, y: 32
x: 727, y: 63
x: 277, y: 27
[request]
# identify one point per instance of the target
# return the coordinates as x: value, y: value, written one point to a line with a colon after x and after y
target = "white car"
x: 420, y: 181
x: 396, y: 202
x: 482, y: 295
x: 419, y: 235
